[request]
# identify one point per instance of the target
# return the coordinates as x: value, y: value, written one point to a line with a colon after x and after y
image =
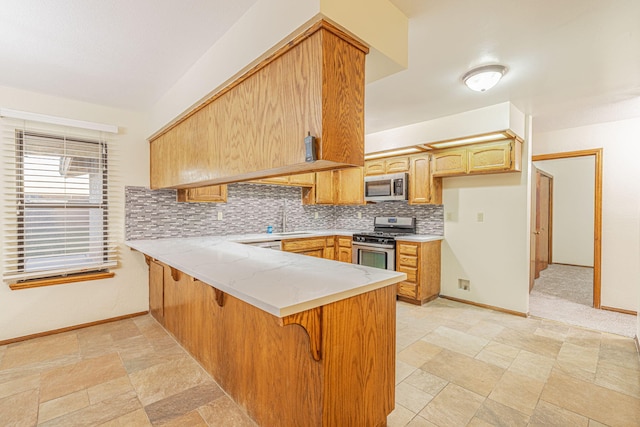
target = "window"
x: 58, y: 193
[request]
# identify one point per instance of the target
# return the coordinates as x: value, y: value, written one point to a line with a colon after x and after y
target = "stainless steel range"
x: 378, y: 248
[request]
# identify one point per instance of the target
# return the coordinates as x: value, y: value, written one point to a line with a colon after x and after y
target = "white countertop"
x: 280, y: 283
x: 264, y: 237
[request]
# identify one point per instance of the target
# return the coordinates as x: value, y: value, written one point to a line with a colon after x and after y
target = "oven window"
x: 373, y: 258
x: 378, y: 188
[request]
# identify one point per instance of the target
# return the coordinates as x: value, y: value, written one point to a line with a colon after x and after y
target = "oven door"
x: 374, y: 255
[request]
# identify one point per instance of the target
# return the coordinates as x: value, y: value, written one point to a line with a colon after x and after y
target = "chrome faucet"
x: 284, y: 216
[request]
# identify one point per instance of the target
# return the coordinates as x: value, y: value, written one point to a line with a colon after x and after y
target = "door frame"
x: 597, y: 214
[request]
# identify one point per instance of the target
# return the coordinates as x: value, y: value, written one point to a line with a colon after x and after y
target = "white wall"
x: 29, y: 311
x: 620, y: 200
x: 573, y: 204
x: 493, y: 254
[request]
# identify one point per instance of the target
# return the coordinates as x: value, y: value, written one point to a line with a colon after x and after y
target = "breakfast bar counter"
x: 293, y: 339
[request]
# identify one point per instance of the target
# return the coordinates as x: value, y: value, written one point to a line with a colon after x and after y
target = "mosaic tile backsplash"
x: 250, y: 208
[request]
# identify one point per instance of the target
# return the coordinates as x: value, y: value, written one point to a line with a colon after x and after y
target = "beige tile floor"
x: 457, y: 365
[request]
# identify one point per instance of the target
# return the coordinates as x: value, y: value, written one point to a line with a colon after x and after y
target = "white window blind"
x: 59, y: 200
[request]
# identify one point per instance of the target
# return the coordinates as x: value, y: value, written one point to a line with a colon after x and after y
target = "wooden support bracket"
x: 175, y: 274
x: 147, y: 259
x: 311, y: 322
x: 219, y: 297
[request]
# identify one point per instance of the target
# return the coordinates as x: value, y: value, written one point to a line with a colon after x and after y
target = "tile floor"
x: 457, y: 365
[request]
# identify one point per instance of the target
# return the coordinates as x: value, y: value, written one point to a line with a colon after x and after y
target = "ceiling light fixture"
x: 484, y: 78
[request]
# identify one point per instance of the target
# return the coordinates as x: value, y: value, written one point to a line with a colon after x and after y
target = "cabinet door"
x: 420, y: 179
x: 156, y: 290
x: 449, y: 162
x: 209, y: 194
x: 374, y: 167
x: 304, y: 244
x: 344, y: 254
x: 306, y: 179
x: 324, y: 187
x: 349, y: 185
x: 495, y: 157
x: 396, y: 165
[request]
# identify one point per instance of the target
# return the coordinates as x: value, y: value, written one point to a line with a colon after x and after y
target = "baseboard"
x: 571, y: 265
x: 72, y: 328
x: 619, y: 310
x: 490, y: 307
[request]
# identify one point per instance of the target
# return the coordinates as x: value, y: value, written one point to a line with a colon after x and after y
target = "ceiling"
x: 571, y: 62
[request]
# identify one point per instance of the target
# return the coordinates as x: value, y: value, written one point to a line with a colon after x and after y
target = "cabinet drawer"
x: 408, y: 261
x: 331, y: 241
x: 344, y: 242
x: 302, y: 245
x: 408, y: 249
x: 411, y: 272
x: 407, y: 289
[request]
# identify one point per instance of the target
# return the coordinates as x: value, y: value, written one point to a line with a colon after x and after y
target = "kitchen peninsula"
x: 295, y: 340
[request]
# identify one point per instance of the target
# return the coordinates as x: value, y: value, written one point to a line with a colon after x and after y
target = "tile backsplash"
x: 250, y: 208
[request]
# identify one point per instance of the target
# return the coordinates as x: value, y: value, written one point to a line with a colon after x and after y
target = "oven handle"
x: 374, y: 245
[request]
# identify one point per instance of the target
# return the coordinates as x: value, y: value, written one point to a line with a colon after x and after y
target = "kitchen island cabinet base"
x: 333, y: 365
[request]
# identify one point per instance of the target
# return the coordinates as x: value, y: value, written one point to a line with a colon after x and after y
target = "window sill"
x: 82, y: 277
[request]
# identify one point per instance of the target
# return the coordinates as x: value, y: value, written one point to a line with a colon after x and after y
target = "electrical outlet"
x: 464, y: 284
x: 219, y: 215
x: 316, y: 216
x: 480, y: 216
x: 359, y: 215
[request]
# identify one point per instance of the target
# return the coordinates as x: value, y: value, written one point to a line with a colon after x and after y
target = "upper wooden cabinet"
x: 300, y: 180
x: 338, y: 187
x: 389, y: 165
x: 208, y: 194
x: 423, y: 187
x: 255, y: 127
x: 490, y: 157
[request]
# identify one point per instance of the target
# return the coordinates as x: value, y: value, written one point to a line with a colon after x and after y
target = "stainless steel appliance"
x: 378, y: 248
x: 381, y: 188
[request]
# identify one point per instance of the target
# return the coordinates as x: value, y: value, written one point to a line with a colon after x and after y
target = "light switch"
x: 316, y: 216
x: 359, y: 215
x: 219, y: 215
x: 480, y: 216
x: 449, y: 216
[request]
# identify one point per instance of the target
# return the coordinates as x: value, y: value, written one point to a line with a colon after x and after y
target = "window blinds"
x: 60, y: 197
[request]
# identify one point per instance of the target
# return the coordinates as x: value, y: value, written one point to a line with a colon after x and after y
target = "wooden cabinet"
x: 450, y: 162
x: 319, y: 247
x: 343, y: 247
x: 421, y: 262
x: 208, y: 194
x: 423, y: 187
x: 338, y: 187
x: 490, y: 157
x: 300, y: 180
x: 503, y: 156
x: 388, y: 165
x: 255, y: 126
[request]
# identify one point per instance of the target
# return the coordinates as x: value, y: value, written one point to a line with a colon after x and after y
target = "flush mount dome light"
x: 484, y: 78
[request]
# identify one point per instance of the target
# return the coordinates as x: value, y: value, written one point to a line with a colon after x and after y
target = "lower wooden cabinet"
x: 421, y: 263
x: 209, y: 194
x: 319, y: 247
x: 343, y: 248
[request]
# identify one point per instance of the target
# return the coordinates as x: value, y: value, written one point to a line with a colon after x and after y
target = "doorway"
x: 542, y: 218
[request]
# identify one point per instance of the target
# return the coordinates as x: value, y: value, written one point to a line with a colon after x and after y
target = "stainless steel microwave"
x: 381, y: 188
